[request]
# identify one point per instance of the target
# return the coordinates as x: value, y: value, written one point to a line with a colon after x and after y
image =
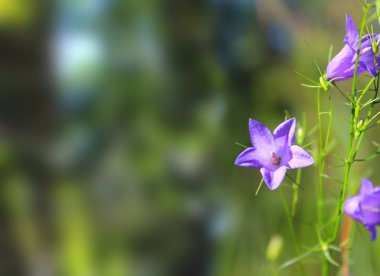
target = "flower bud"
x: 300, y: 135
x: 274, y: 247
x: 359, y: 125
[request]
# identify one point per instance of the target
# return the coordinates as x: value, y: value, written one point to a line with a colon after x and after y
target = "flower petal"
x: 273, y: 179
x: 352, y: 34
x: 262, y: 141
x: 261, y: 137
x: 352, y: 209
x: 341, y: 67
x: 370, y: 209
x: 369, y: 61
x: 377, y: 63
x: 367, y: 41
x: 366, y: 187
x: 372, y: 230
x: 301, y: 158
x: 283, y: 150
x: 249, y: 158
x: 286, y: 128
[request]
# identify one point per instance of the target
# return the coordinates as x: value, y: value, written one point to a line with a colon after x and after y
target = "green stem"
x: 295, y: 192
x: 291, y: 228
x: 323, y: 147
x: 320, y: 199
x: 325, y: 267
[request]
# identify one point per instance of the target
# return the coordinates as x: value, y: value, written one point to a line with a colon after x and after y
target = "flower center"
x: 275, y: 159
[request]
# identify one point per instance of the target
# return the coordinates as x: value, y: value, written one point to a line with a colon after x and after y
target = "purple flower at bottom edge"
x: 273, y: 153
x: 365, y: 207
x: 342, y: 66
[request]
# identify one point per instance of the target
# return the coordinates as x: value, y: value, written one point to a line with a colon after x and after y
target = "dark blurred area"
x: 118, y: 124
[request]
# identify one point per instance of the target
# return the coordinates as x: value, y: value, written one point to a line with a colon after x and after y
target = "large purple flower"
x: 365, y: 207
x: 273, y: 154
x: 342, y: 66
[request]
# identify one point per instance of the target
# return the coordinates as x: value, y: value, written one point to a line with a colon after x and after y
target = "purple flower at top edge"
x: 365, y: 207
x: 273, y: 153
x: 342, y: 66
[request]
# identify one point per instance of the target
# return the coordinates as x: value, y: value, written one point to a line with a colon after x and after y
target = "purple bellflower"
x: 273, y: 153
x: 342, y: 66
x: 365, y: 207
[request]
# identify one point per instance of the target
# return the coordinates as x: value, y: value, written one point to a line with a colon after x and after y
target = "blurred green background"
x: 118, y: 128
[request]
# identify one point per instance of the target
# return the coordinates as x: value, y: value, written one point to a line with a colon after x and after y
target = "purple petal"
x: 273, y: 179
x: 249, y: 158
x: 341, y: 67
x: 377, y: 63
x: 300, y: 158
x: 371, y: 69
x: 352, y: 209
x: 283, y: 150
x: 372, y: 230
x: 352, y: 35
x: 262, y: 141
x: 370, y: 209
x: 367, y: 41
x: 369, y: 62
x: 366, y: 187
x: 286, y: 128
x: 261, y: 137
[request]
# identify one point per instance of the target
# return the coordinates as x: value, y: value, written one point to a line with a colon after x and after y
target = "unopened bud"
x: 274, y: 247
x: 359, y: 126
x: 300, y: 135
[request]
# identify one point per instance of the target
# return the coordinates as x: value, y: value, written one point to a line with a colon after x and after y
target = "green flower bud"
x: 359, y: 125
x: 274, y: 247
x: 300, y: 135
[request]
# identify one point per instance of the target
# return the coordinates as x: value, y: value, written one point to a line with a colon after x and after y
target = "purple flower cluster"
x: 273, y: 153
x: 365, y: 207
x: 342, y: 66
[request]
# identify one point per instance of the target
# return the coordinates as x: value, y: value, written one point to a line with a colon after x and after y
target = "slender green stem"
x: 291, y: 228
x: 325, y: 267
x: 325, y: 262
x: 323, y: 147
x: 295, y: 192
x: 259, y: 187
x: 320, y: 195
x: 330, y: 113
x: 366, y: 89
x: 376, y: 87
x: 341, y: 197
x: 348, y: 164
x: 362, y: 26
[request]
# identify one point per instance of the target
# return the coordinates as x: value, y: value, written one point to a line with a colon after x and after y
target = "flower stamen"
x: 275, y: 159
